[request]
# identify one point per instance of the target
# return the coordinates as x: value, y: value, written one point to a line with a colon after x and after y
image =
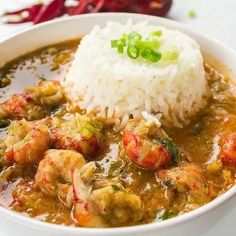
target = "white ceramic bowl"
x: 192, y: 223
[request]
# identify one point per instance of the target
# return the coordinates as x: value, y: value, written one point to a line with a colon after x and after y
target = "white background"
x: 216, y: 18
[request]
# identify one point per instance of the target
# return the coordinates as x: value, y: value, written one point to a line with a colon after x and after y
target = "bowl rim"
x: 127, y: 229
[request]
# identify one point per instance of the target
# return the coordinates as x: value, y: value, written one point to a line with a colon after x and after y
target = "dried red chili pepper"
x: 50, y: 11
x: 118, y: 5
x: 152, y: 7
x: 43, y: 12
x: 85, y: 6
x: 22, y: 15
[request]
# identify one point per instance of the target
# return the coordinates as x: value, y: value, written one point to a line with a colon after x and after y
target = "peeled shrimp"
x: 144, y: 145
x: 57, y: 165
x: 34, y: 103
x: 110, y: 204
x: 77, y: 132
x: 26, y: 142
x: 63, y: 173
x: 228, y: 149
x: 84, y: 211
x: 15, y: 107
x: 188, y: 178
x: 47, y: 93
x: 116, y: 205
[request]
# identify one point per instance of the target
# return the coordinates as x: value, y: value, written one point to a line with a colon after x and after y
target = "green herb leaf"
x: 98, y: 166
x: 171, y: 148
x: 166, y: 214
x: 115, y: 167
x: 168, y: 183
x: 115, y: 187
x: 4, y: 123
x: 192, y: 14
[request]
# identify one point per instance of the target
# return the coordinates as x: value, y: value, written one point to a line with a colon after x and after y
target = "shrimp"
x: 116, y: 205
x: 147, y: 145
x: 17, y: 106
x: 33, y: 103
x: 84, y: 211
x: 111, y: 204
x: 63, y: 173
x: 57, y: 165
x: 26, y: 142
x: 228, y: 149
x: 47, y: 93
x: 58, y: 174
x: 187, y: 178
x: 79, y: 133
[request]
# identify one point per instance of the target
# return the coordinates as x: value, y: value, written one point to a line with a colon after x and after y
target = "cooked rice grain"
x: 113, y: 86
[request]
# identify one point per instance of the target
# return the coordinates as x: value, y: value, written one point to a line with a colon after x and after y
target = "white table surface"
x: 215, y: 18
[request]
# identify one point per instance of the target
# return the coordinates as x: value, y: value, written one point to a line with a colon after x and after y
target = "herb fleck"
x: 192, y: 14
x: 168, y: 144
x: 115, y: 187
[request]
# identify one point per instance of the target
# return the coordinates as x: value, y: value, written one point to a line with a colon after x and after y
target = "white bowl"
x: 193, y: 223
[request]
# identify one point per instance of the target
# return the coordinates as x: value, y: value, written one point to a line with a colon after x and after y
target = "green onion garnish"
x: 192, y: 14
x: 171, y: 54
x: 157, y: 33
x: 114, y: 43
x: 133, y: 36
x: 135, y: 46
x: 120, y: 49
x: 133, y: 52
x: 151, y: 55
x: 119, y: 44
x: 148, y: 44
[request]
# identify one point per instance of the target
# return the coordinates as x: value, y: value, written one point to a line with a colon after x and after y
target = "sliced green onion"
x: 134, y: 46
x: 157, y: 33
x: 171, y: 54
x: 133, y: 52
x: 148, y: 44
x: 115, y: 187
x: 122, y: 41
x: 133, y: 36
x: 114, y: 43
x: 119, y: 44
x: 125, y: 37
x: 120, y: 49
x: 192, y: 14
x: 151, y: 55
x: 154, y: 36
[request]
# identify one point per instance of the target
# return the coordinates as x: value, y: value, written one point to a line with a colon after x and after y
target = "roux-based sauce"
x: 199, y: 143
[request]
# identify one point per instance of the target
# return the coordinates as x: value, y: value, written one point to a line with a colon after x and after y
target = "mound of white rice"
x: 113, y: 86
